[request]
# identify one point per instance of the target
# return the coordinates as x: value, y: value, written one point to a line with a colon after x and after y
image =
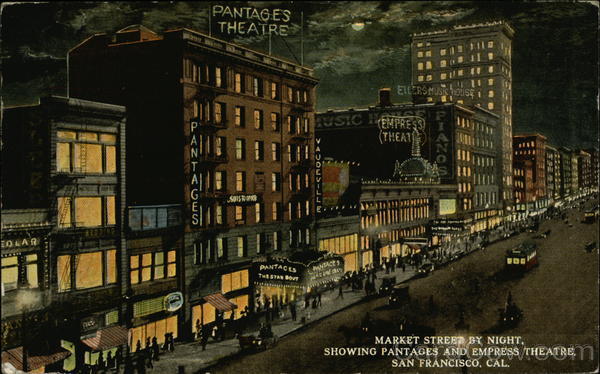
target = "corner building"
x: 471, y: 65
x: 224, y: 131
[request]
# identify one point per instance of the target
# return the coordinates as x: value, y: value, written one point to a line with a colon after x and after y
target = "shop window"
x: 10, y: 272
x: 234, y: 281
x: 241, y: 302
x: 150, y: 330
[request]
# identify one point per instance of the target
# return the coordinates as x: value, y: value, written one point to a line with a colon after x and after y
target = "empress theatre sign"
x: 394, y: 129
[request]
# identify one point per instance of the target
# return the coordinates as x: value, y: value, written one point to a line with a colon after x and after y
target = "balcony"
x: 301, y: 165
x: 212, y: 158
x: 209, y: 126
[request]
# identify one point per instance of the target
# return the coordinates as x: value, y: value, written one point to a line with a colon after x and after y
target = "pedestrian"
x: 203, y: 338
x: 141, y: 368
x: 171, y: 346
x: 341, y: 291
x: 314, y: 303
x: 198, y: 328
x: 306, y: 300
x: 155, y: 349
x: 100, y: 361
x: 148, y: 357
x: 403, y: 267
x: 319, y: 299
x: 293, y: 310
x: 138, y: 346
x: 110, y: 361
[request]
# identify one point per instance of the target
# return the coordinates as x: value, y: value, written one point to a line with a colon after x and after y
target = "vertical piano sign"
x: 318, y: 177
x: 194, y: 180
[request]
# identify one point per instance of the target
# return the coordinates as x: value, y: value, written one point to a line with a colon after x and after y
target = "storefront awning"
x: 107, y: 338
x: 416, y: 248
x: 220, y: 302
x: 34, y: 360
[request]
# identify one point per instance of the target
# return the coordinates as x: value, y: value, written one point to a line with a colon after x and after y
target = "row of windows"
x: 484, y: 198
x: 464, y: 187
x: 467, y: 204
x: 86, y: 270
x: 216, y: 76
x: 86, y: 211
x: 152, y: 266
x: 340, y: 244
x: 209, y: 214
x: 212, y: 250
x: 216, y: 112
x: 463, y: 171
x: 463, y: 155
x: 397, y: 213
x: 86, y: 152
x: 481, y: 44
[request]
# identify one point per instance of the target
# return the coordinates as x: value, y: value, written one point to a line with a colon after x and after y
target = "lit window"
x: 240, y: 181
x: 241, y: 246
x: 460, y: 72
x: 88, y: 211
x: 420, y: 54
x: 219, y: 111
x: 429, y: 77
x: 239, y: 83
x: 218, y: 76
x: 490, y: 81
x: 428, y: 53
x: 490, y: 56
x: 275, y: 121
x: 491, y: 69
x: 490, y: 44
x: 275, y: 182
x: 239, y: 116
x: 274, y: 90
x: 421, y: 78
x: 259, y: 152
x: 443, y: 52
x: 428, y: 65
x: 240, y: 151
x: 110, y: 210
x: 275, y: 151
x: 460, y: 59
x: 419, y: 66
x: 490, y: 105
x: 491, y: 93
x: 89, y: 270
x: 258, y: 119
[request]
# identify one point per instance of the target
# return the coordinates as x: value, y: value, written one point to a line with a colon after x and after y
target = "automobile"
x: 399, y: 295
x: 387, y: 283
x: 425, y: 269
x: 543, y: 235
x: 589, y: 247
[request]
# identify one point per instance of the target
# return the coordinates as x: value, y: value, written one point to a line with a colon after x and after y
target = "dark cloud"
x: 554, y: 61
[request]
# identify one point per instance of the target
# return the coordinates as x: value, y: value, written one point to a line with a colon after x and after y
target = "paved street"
x: 558, y: 299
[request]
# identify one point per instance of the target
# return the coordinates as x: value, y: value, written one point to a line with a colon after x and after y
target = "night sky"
x: 555, y: 59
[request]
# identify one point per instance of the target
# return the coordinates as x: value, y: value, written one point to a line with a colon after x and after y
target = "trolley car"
x: 522, y: 258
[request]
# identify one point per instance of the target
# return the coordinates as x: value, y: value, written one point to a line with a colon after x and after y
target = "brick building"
x: 532, y: 148
x: 234, y: 128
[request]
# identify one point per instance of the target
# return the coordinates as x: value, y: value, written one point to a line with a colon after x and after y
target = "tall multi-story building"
x: 63, y: 245
x: 533, y: 148
x: 566, y: 172
x: 584, y: 170
x: 470, y: 65
x: 595, y: 165
x: 524, y: 186
x: 574, y: 173
x: 234, y: 128
x: 461, y: 141
x: 553, y: 176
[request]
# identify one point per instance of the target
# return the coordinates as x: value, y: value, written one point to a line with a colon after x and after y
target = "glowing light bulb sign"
x: 399, y: 129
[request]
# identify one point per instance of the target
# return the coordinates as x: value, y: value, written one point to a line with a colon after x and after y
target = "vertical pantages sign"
x: 318, y: 177
x: 194, y: 181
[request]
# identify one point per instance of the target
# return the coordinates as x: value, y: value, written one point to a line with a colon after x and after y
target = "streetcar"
x: 522, y: 258
x: 590, y: 215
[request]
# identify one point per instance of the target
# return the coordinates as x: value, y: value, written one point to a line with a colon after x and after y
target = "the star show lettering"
x: 194, y: 183
x: 318, y: 176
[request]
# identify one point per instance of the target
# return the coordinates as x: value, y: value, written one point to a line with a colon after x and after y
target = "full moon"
x: 357, y: 26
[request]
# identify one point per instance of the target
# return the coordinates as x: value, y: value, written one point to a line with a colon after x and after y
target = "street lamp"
x: 25, y: 301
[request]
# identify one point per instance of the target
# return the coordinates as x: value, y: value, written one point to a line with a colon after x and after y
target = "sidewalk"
x: 193, y: 359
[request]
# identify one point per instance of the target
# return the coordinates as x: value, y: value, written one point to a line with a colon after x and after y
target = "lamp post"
x: 27, y: 299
